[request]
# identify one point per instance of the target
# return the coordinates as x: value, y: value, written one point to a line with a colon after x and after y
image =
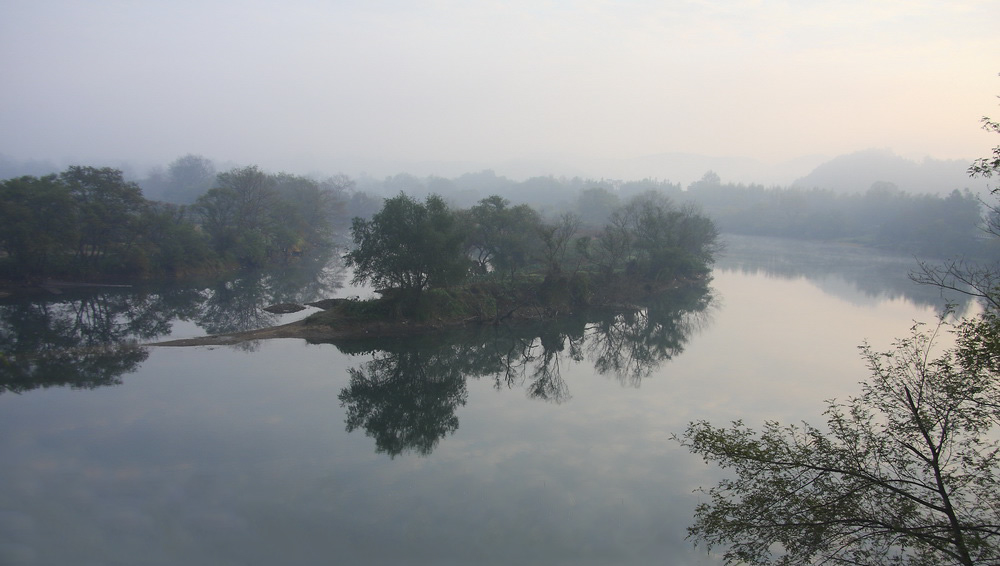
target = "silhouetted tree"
x: 108, y: 210
x: 500, y: 238
x: 37, y: 223
x: 408, y: 245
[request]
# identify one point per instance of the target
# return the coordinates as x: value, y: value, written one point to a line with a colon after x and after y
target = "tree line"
x: 89, y: 222
x: 881, y: 216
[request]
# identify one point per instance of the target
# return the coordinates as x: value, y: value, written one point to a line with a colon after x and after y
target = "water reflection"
x: 89, y: 337
x: 82, y: 342
x: 633, y: 345
x: 237, y: 304
x: 859, y: 275
x: 406, y: 395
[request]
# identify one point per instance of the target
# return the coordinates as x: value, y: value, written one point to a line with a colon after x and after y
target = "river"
x: 544, y: 445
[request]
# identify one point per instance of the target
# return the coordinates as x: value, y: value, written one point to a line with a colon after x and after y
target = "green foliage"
x: 236, y: 214
x: 171, y: 241
x: 555, y: 241
x: 85, y: 221
x: 579, y: 289
x: 520, y: 261
x: 554, y: 292
x: 187, y: 178
x: 347, y: 311
x: 37, y: 223
x: 408, y: 245
x: 656, y: 240
x: 441, y: 304
x: 90, y: 222
x: 255, y: 218
x: 905, y: 473
x: 500, y: 238
x: 108, y: 210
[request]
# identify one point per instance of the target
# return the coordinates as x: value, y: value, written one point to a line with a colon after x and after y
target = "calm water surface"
x: 547, y: 445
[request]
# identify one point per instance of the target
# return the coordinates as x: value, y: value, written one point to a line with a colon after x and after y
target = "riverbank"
x: 303, y: 330
x: 439, y: 309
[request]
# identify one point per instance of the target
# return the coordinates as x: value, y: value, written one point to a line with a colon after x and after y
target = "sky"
x: 339, y: 86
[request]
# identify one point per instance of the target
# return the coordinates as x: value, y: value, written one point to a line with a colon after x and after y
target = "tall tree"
x: 308, y: 210
x: 656, y: 239
x: 237, y: 214
x: 408, y: 245
x: 555, y: 238
x: 108, y: 209
x: 595, y: 205
x: 501, y: 238
x: 37, y: 222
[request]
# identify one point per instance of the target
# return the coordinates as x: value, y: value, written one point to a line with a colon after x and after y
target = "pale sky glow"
x: 349, y: 86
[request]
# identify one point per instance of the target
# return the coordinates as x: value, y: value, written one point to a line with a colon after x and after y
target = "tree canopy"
x: 412, y: 246
x: 90, y: 222
x: 408, y: 245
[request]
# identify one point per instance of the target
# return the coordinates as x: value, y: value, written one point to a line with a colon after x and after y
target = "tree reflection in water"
x: 87, y: 338
x: 237, y: 304
x: 633, y: 344
x: 82, y: 341
x: 406, y: 396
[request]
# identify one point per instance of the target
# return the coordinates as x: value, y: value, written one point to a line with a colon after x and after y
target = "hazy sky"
x: 333, y: 85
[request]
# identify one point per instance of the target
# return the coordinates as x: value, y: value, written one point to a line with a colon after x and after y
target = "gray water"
x: 544, y: 445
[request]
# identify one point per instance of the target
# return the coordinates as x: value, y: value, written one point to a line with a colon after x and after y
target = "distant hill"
x: 856, y: 172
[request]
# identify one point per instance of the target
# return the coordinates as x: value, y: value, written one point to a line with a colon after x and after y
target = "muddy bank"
x: 303, y: 329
